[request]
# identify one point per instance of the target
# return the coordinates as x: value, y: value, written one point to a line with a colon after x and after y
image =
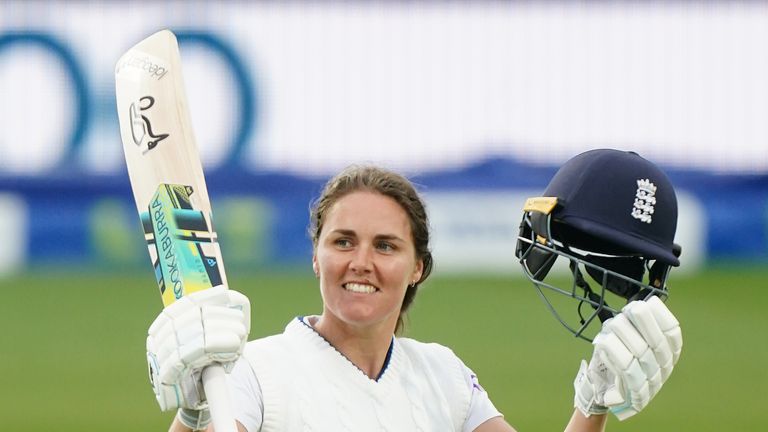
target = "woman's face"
x: 365, y: 259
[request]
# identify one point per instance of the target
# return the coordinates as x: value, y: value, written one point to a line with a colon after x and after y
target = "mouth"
x: 361, y: 288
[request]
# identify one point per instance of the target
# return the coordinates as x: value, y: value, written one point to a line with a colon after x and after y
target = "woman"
x: 343, y: 369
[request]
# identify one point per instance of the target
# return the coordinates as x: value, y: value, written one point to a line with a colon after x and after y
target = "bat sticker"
x: 178, y: 237
x: 140, y: 125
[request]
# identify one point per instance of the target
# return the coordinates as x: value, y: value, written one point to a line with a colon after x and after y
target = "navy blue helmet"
x: 608, y: 214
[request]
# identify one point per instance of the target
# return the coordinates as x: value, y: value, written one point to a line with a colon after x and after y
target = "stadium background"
x: 478, y: 102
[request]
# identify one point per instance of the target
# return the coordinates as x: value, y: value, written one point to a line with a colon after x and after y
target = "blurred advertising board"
x: 466, y: 97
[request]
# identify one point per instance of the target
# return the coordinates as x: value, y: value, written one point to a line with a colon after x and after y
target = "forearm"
x: 593, y: 423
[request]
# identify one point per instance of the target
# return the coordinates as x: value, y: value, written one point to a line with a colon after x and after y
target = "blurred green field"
x: 73, y: 348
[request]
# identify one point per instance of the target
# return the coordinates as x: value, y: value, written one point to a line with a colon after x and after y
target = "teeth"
x: 359, y: 288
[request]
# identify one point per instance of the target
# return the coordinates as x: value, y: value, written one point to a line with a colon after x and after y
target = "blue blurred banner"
x: 262, y: 219
x: 478, y: 101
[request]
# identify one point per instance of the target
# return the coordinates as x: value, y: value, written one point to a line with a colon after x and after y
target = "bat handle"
x: 217, y: 394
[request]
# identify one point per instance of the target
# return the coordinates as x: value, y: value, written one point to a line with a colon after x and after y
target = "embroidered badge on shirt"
x: 645, y: 199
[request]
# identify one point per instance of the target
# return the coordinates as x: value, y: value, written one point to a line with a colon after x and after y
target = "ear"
x: 417, y: 272
x: 315, y: 267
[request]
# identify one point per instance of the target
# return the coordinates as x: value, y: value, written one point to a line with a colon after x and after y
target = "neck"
x: 365, y: 347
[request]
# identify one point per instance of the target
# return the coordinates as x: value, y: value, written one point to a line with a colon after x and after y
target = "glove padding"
x: 206, y: 327
x: 634, y: 355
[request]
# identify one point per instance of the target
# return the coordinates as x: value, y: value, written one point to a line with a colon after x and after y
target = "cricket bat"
x: 169, y: 187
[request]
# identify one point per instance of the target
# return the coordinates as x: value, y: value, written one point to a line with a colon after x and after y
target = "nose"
x: 362, y: 260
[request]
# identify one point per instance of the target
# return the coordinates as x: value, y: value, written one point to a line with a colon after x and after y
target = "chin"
x: 360, y: 318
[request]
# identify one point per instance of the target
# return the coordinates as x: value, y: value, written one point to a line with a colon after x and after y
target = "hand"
x: 634, y: 355
x: 209, y: 326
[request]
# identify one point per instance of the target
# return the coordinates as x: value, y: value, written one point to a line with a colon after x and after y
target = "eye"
x: 343, y: 242
x: 385, y: 246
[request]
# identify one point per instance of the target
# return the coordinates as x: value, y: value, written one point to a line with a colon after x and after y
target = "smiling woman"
x: 366, y: 262
x: 349, y: 368
x: 388, y: 202
x: 345, y: 369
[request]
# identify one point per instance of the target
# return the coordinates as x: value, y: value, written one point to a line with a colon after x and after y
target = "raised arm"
x: 580, y: 423
x: 200, y: 329
x: 634, y: 355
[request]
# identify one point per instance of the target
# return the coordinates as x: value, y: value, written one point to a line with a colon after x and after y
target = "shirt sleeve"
x: 481, y: 408
x: 246, y: 396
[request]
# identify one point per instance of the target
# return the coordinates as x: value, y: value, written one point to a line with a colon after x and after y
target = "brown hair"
x: 388, y: 183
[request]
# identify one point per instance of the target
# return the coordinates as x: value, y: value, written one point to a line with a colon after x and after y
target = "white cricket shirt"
x: 297, y: 381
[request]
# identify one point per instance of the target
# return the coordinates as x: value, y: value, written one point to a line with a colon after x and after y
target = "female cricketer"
x: 349, y: 368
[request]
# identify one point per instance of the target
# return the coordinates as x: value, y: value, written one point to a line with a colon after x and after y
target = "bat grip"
x: 217, y: 394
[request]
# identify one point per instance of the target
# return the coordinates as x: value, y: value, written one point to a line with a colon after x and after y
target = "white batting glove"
x: 634, y: 355
x: 203, y: 328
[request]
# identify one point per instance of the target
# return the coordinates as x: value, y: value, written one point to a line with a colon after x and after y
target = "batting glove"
x: 203, y: 328
x: 633, y: 356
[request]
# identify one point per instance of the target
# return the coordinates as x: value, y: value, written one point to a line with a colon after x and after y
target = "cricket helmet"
x: 611, y: 213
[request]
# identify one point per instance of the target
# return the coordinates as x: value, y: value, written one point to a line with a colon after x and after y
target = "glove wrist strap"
x: 194, y: 419
x: 585, y: 397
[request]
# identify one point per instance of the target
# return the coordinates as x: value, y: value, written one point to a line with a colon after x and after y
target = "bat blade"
x: 169, y: 187
x: 165, y: 169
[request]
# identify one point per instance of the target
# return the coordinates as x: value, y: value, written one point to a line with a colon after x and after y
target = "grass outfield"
x: 73, y: 349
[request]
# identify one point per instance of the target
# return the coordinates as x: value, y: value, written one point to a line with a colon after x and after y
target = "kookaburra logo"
x: 141, y: 128
x: 645, y: 200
